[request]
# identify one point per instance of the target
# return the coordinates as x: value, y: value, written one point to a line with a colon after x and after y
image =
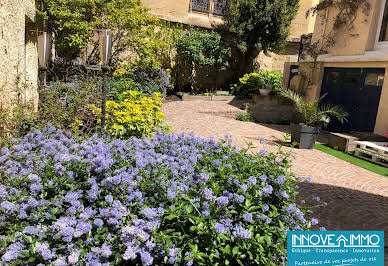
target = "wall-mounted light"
x: 105, y: 43
x: 105, y: 47
x: 44, y: 52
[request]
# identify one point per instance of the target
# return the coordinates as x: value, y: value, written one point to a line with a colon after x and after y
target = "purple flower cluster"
x: 83, y: 201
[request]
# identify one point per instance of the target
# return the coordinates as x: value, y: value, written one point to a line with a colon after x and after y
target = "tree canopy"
x: 258, y: 25
x: 74, y: 23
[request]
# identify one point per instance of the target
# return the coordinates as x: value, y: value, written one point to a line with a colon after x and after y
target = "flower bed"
x: 162, y: 200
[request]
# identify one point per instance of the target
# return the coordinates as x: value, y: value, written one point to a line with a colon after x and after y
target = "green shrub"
x: 272, y: 80
x: 248, y: 86
x: 66, y: 105
x: 199, y: 55
x: 17, y: 115
x: 244, y: 116
x: 148, y: 82
x: 169, y: 199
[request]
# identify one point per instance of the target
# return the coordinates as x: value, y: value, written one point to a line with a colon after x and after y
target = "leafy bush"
x: 162, y: 200
x: 17, y: 114
x: 199, y: 55
x: 67, y: 105
x: 248, y: 86
x: 312, y: 113
x: 126, y: 78
x: 132, y: 114
x: 272, y: 80
x: 244, y: 116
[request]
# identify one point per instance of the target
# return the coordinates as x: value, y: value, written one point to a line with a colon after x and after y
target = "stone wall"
x: 272, y: 109
x: 18, y: 51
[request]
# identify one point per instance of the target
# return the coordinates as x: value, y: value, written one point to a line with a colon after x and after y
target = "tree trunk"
x: 244, y: 62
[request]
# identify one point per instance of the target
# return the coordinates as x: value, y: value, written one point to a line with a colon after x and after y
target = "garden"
x: 91, y: 182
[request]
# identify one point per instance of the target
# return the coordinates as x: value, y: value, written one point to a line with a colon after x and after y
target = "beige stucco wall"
x: 302, y: 25
x: 355, y: 40
x: 179, y: 11
x: 18, y: 52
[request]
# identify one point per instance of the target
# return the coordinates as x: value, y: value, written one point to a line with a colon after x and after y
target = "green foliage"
x: 244, y: 116
x: 263, y: 25
x: 311, y: 113
x: 65, y: 105
x: 155, y: 47
x: 75, y: 22
x: 16, y: 114
x: 126, y: 78
x: 132, y: 114
x: 199, y: 52
x: 256, y: 25
x: 248, y: 86
x: 272, y: 79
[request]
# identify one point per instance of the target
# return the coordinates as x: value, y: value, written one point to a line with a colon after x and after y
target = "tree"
x: 252, y: 26
x: 199, y: 55
x: 136, y: 34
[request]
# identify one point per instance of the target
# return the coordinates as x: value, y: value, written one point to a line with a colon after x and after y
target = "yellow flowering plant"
x: 134, y: 114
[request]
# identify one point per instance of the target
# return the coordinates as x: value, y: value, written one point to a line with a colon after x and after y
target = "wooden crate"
x: 372, y: 151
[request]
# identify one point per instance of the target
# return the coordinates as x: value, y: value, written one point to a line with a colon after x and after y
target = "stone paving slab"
x: 357, y: 198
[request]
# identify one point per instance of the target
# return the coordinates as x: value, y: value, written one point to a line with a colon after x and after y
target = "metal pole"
x: 300, y: 49
x: 104, y: 90
x: 43, y: 71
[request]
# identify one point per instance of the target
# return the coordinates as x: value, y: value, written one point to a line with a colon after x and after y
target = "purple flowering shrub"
x: 162, y: 200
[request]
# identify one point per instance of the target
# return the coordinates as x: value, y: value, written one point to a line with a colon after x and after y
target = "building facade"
x: 205, y: 13
x: 352, y: 73
x: 18, y: 51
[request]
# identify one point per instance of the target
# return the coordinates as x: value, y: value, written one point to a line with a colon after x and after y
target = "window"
x: 217, y: 7
x: 220, y: 7
x: 383, y: 35
x: 352, y: 78
x: 374, y: 79
x: 333, y: 77
x: 201, y: 5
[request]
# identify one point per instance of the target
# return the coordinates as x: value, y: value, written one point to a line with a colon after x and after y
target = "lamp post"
x: 105, y: 53
x: 44, y: 49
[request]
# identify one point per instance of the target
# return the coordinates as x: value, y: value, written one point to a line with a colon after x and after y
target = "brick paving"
x: 357, y: 198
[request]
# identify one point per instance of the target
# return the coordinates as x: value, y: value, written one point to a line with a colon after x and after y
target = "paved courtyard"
x: 356, y: 198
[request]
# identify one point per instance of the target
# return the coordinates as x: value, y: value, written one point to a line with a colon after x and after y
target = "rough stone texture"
x: 342, y: 142
x: 271, y: 109
x: 271, y: 112
x: 18, y: 51
x: 357, y: 199
x: 274, y: 61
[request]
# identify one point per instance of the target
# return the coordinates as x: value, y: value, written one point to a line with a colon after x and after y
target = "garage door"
x: 356, y: 90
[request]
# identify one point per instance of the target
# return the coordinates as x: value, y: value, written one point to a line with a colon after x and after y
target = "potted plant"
x: 310, y: 117
x: 272, y: 81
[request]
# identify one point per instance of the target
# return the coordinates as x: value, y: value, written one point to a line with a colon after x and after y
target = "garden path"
x: 357, y: 198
